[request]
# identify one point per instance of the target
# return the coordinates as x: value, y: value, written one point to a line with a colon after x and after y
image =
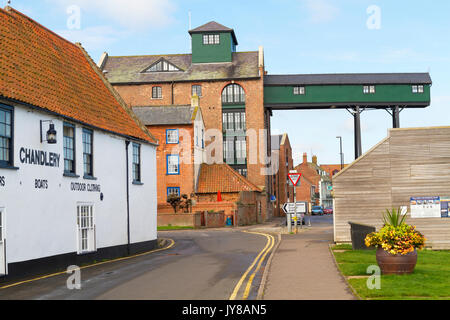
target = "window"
x: 233, y: 94
x: 242, y: 171
x: 6, y: 135
x: 173, y: 164
x: 87, y: 153
x: 233, y: 120
x: 173, y: 190
x: 69, y: 148
x: 197, y: 90
x: 156, y: 93
x: 136, y: 162
x: 162, y: 66
x: 241, y: 149
x: 172, y: 136
x: 86, y: 228
x: 228, y: 151
x: 235, y: 150
x: 299, y: 90
x: 196, y: 136
x: 203, y: 138
x: 369, y: 89
x: 417, y: 89
x: 211, y: 39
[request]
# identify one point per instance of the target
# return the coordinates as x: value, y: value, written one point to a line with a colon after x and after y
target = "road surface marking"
x: 89, y: 266
x: 250, y: 280
x: 239, y: 284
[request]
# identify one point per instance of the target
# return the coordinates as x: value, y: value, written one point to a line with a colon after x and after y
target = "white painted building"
x: 91, y: 194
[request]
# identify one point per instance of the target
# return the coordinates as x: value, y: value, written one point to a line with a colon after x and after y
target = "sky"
x: 298, y: 36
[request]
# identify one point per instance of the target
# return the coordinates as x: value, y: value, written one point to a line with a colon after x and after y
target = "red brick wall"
x: 304, y: 190
x: 213, y: 220
x: 211, y: 105
x: 185, y: 180
x: 179, y: 219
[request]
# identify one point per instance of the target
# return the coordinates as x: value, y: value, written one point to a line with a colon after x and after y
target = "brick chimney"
x: 305, y: 157
x: 314, y: 159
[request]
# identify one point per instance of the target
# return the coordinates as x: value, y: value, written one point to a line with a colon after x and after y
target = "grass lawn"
x: 164, y: 228
x: 430, y: 280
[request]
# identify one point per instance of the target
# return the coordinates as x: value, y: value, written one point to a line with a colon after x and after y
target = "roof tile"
x: 223, y: 178
x: 40, y: 68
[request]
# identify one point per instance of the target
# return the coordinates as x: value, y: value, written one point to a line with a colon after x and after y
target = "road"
x: 203, y: 264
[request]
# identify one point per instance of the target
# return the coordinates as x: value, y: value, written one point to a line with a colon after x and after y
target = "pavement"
x: 303, y: 267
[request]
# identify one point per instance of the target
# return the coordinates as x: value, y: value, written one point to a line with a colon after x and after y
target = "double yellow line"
x: 260, y: 257
x: 172, y: 243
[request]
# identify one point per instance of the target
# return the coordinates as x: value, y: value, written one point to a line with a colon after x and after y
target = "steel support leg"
x: 395, y: 117
x: 357, y: 122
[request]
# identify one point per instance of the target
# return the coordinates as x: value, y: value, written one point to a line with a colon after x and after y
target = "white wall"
x: 42, y: 222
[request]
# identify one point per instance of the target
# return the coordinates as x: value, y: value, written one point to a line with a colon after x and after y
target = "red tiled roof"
x: 332, y: 167
x: 223, y: 178
x: 40, y: 68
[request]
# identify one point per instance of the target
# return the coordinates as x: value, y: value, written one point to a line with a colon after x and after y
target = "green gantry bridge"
x: 392, y: 92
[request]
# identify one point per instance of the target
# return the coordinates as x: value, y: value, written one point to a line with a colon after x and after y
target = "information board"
x: 445, y: 207
x: 425, y: 207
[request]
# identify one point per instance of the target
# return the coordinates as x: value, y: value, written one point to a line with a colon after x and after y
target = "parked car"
x: 316, y: 210
x: 328, y: 210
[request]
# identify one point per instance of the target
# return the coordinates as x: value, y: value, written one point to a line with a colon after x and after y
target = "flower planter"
x: 396, y: 264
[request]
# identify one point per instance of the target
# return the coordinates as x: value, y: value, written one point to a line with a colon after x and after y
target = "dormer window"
x: 162, y: 66
x: 211, y: 39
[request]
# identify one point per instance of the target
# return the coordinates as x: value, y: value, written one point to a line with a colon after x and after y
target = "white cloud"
x: 321, y: 11
x: 131, y: 14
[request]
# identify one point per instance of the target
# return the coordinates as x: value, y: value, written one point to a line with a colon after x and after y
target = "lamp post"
x: 342, y: 155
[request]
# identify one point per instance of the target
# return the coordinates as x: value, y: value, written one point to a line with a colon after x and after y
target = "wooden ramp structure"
x: 411, y: 162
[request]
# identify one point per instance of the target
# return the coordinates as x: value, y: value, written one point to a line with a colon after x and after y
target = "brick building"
x: 332, y: 169
x: 306, y: 190
x: 230, y: 89
x: 320, y: 181
x: 282, y: 190
x: 239, y: 197
x: 180, y: 133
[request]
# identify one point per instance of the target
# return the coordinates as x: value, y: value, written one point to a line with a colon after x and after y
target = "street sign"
x: 294, y: 177
x: 289, y: 207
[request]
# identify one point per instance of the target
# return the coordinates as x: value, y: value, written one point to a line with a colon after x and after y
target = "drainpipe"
x: 127, y: 143
x: 172, y: 93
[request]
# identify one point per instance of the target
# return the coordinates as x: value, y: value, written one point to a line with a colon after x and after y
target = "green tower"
x: 213, y: 42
